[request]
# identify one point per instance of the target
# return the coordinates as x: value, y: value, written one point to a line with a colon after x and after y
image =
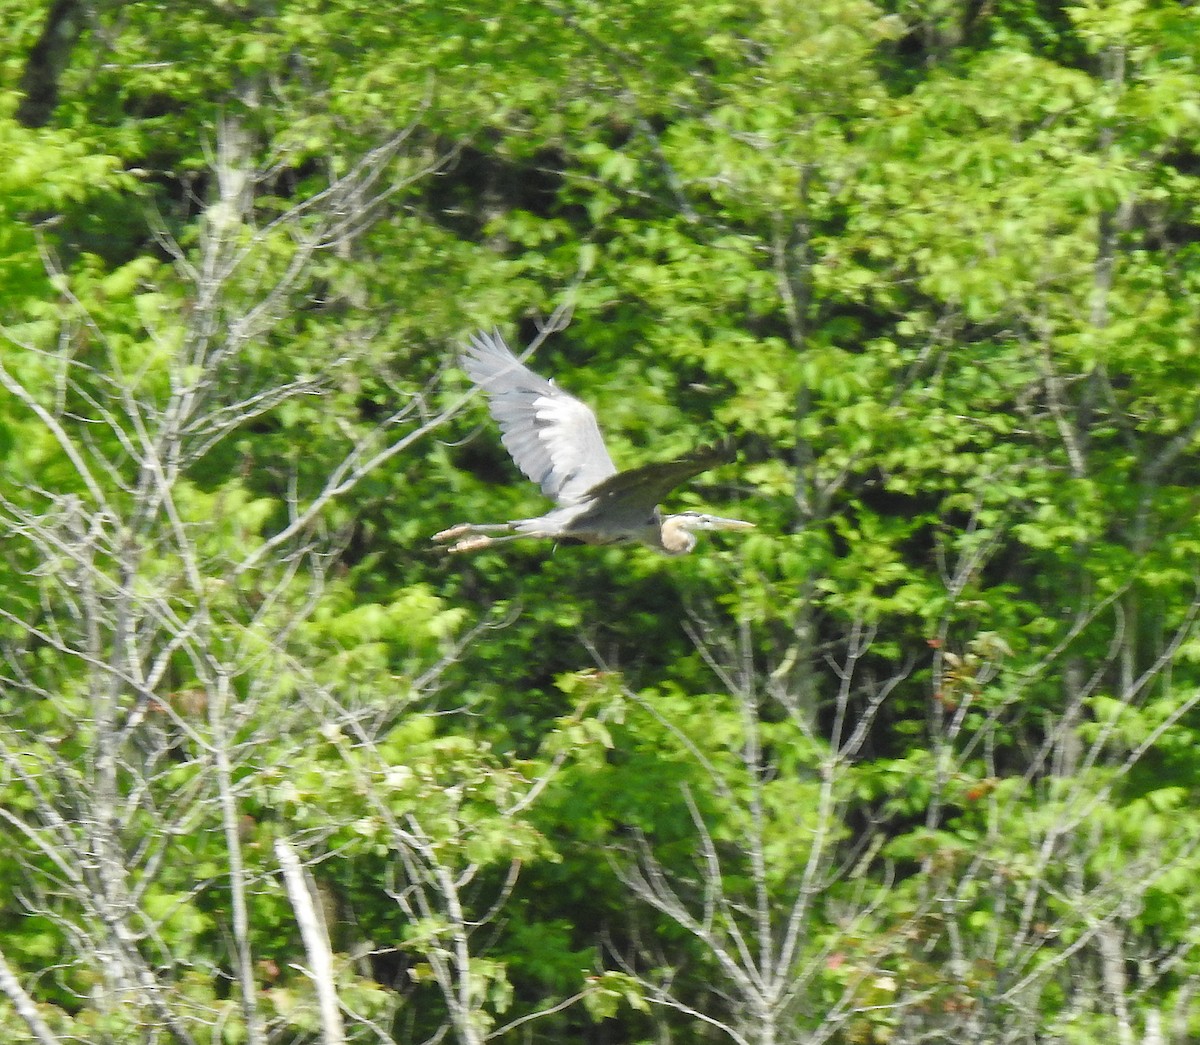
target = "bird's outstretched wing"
x: 552, y: 436
x: 643, y: 488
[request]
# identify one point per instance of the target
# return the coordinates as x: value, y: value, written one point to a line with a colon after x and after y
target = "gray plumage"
x: 555, y: 440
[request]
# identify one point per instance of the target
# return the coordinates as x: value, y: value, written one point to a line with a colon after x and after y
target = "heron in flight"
x: 556, y: 442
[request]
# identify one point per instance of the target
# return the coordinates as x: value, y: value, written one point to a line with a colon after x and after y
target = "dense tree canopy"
x: 914, y: 761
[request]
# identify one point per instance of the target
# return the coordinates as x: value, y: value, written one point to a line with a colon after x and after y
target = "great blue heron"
x: 555, y: 441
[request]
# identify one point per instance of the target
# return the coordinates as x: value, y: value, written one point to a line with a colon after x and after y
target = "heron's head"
x: 678, y: 533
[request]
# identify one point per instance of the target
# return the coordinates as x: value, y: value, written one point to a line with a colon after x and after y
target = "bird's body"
x: 556, y: 442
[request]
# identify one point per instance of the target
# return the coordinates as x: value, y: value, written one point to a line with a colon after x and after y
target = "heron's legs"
x: 462, y: 529
x: 476, y: 535
x: 473, y: 544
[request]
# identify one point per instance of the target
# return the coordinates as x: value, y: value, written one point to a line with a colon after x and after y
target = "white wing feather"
x: 551, y: 435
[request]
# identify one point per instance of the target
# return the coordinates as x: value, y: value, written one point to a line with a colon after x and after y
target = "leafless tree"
x: 156, y: 618
x: 812, y: 926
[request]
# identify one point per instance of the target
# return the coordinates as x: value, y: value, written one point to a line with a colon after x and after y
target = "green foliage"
x: 929, y: 732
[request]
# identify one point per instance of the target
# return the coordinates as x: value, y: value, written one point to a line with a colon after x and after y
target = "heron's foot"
x: 452, y: 533
x: 471, y: 544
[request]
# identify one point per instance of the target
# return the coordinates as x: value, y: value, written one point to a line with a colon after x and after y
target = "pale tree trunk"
x: 315, y: 935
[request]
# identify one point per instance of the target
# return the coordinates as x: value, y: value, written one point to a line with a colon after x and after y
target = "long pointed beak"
x: 715, y: 522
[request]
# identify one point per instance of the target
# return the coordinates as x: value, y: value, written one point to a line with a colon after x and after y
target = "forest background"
x: 913, y: 762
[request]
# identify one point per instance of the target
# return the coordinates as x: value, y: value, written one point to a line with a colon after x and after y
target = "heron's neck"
x: 673, y: 536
